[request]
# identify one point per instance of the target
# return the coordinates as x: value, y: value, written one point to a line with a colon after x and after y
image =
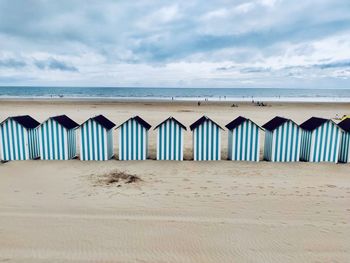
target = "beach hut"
x: 170, y: 140
x: 206, y: 140
x: 282, y: 140
x: 96, y: 139
x: 57, y: 137
x: 19, y: 138
x: 344, y: 152
x: 243, y: 140
x: 320, y: 140
x: 133, y: 139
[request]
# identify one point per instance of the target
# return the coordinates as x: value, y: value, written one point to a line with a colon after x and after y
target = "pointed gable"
x: 140, y: 121
x: 313, y: 123
x: 275, y: 123
x: 65, y: 121
x: 103, y: 121
x: 25, y: 120
x: 172, y: 119
x: 200, y: 121
x: 237, y: 122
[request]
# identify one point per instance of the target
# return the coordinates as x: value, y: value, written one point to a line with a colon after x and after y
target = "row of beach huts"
x: 315, y: 140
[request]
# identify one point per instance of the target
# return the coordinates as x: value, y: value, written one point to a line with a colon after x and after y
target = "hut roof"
x: 139, y: 120
x: 175, y: 120
x: 345, y: 125
x: 66, y: 122
x: 103, y: 121
x: 200, y: 121
x: 25, y: 120
x: 238, y: 121
x: 313, y: 123
x: 275, y: 123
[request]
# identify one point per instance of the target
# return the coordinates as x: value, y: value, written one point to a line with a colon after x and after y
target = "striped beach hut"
x: 170, y: 140
x: 133, y: 139
x: 282, y: 140
x: 96, y: 139
x: 344, y: 152
x: 19, y: 138
x: 243, y: 140
x: 206, y: 140
x: 57, y: 136
x: 320, y: 140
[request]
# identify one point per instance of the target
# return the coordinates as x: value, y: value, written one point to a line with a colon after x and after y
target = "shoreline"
x: 178, y: 100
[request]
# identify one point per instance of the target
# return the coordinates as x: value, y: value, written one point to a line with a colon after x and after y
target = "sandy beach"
x: 59, y: 211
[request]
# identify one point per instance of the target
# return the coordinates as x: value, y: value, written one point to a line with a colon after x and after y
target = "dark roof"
x: 275, y: 123
x: 26, y: 121
x: 103, y: 121
x: 238, y: 121
x: 141, y: 121
x: 175, y: 120
x: 200, y: 121
x: 345, y: 125
x: 66, y: 122
x: 313, y: 123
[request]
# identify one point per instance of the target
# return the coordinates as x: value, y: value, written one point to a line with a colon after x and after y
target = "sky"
x: 160, y: 43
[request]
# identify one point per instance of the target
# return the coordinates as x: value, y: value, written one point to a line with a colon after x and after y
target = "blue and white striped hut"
x: 133, y: 139
x: 96, y: 139
x: 57, y: 136
x: 19, y: 138
x: 344, y: 152
x: 282, y: 140
x: 206, y: 140
x: 243, y: 140
x: 170, y: 140
x: 320, y: 140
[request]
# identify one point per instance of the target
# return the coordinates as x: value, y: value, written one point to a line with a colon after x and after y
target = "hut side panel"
x: 94, y: 142
x: 244, y: 142
x: 285, y: 146
x: 110, y: 150
x: 170, y: 141
x: 305, y: 147
x: 133, y: 140
x: 344, y: 154
x: 71, y: 143
x: 325, y: 143
x: 14, y: 141
x: 33, y: 143
x: 268, y: 145
x: 207, y: 142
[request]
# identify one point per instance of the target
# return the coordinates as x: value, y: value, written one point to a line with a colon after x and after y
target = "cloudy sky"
x: 159, y: 43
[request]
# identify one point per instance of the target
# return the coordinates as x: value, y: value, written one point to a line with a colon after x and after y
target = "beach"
x: 222, y: 211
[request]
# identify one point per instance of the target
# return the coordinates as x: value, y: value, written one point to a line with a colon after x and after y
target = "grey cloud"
x: 12, y: 63
x: 54, y: 64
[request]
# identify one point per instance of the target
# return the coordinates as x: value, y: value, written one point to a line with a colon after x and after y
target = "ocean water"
x: 189, y: 94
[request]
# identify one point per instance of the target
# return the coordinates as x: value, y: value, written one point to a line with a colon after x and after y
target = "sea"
x: 180, y: 94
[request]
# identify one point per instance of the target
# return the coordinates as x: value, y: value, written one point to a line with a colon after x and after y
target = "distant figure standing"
x: 199, y: 103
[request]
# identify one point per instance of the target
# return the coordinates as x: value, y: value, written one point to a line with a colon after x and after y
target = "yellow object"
x: 345, y: 117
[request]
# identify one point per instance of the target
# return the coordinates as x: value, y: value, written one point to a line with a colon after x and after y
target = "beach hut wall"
x: 206, y: 140
x: 282, y: 140
x: 57, y: 136
x: 243, y: 140
x: 133, y: 139
x: 170, y: 140
x: 344, y: 152
x: 320, y: 140
x: 19, y: 138
x: 96, y: 139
